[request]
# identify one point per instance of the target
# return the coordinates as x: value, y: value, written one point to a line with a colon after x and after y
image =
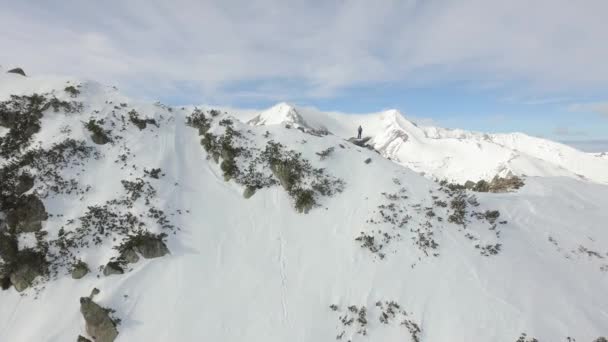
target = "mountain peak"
x: 280, y: 113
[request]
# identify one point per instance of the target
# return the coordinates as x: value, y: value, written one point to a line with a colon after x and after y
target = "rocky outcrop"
x: 151, y: 247
x: 130, y: 256
x: 361, y: 142
x: 28, y: 214
x: 497, y: 184
x: 113, y: 267
x: 99, y: 324
x: 249, y: 191
x: 82, y: 339
x: 17, y: 71
x: 284, y: 173
x: 25, y: 182
x: 100, y: 138
x: 29, y: 266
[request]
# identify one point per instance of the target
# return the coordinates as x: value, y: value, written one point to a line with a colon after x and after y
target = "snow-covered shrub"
x: 256, y: 168
x: 325, y: 153
x: 99, y: 135
x: 21, y: 115
x: 72, y: 91
x: 139, y: 122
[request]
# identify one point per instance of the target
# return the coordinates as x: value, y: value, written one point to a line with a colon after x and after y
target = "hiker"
x: 359, y: 131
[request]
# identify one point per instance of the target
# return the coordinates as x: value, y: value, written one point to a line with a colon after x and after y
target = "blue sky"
x: 537, y: 67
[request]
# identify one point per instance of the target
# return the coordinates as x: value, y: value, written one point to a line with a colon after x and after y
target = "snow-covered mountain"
x: 282, y: 233
x: 449, y: 153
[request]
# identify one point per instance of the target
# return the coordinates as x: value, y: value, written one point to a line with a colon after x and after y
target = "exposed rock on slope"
x: 99, y: 325
x: 18, y: 71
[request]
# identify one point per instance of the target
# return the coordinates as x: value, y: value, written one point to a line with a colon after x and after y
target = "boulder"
x: 17, y: 71
x: 368, y: 160
x: 113, y: 267
x: 360, y: 142
x: 99, y: 325
x: 5, y: 282
x: 79, y: 270
x: 82, y: 339
x: 23, y: 276
x: 8, y: 247
x: 24, y: 184
x: 100, y: 138
x: 249, y: 191
x: 28, y: 214
x: 469, y: 185
x: 130, y: 256
x: 151, y: 247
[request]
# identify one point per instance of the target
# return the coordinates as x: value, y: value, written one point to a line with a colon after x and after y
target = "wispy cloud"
x: 319, y: 48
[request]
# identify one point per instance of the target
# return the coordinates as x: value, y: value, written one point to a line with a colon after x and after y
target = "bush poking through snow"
x: 524, y: 338
x: 72, y: 91
x: 99, y: 135
x: 257, y: 169
x: 325, y: 153
x: 139, y: 122
x: 497, y: 184
x: 21, y: 115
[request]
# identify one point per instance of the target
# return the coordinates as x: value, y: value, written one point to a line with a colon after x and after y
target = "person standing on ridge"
x: 359, y: 131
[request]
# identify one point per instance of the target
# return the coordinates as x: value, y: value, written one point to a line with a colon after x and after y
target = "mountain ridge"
x: 381, y: 254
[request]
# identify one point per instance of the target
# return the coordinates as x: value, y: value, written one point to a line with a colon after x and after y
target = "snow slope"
x: 448, y: 154
x: 257, y: 270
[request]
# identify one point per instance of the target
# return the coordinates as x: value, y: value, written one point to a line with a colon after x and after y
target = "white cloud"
x: 317, y: 48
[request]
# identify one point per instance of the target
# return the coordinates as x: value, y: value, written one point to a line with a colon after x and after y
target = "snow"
x: 256, y: 270
x: 448, y: 153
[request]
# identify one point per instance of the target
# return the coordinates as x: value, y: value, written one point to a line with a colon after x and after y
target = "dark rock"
x: 5, y: 282
x: 23, y: 277
x: 100, y: 138
x: 130, y: 256
x: 82, y: 339
x: 17, y: 71
x: 360, y: 142
x: 28, y: 214
x: 368, y: 160
x: 249, y: 191
x: 99, y: 325
x: 113, y: 267
x: 25, y: 183
x: 151, y: 247
x: 469, y: 185
x: 8, y: 247
x: 94, y: 292
x: 79, y: 270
